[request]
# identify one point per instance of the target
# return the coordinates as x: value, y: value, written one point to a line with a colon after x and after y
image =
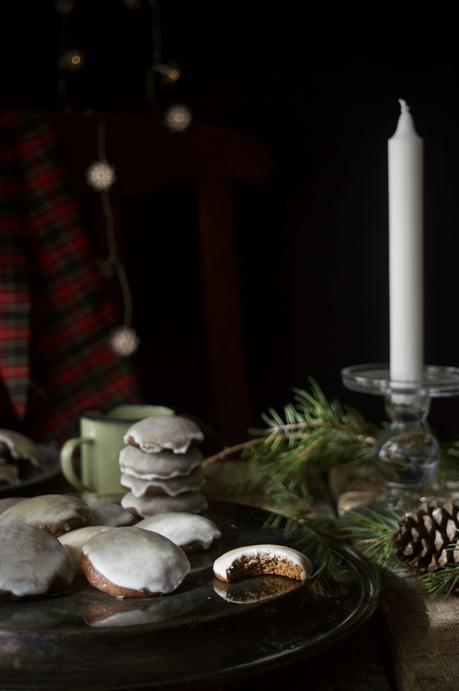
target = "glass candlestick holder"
x: 407, y: 451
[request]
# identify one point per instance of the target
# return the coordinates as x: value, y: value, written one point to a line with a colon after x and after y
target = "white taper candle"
x: 405, y: 150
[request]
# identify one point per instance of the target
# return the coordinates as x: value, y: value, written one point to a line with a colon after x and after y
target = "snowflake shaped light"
x: 124, y: 341
x: 100, y: 176
x: 178, y: 118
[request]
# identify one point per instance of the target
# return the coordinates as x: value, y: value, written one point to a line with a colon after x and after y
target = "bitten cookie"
x: 55, y: 513
x: 193, y: 502
x: 153, y: 434
x: 254, y: 560
x: 254, y: 590
x: 187, y: 530
x: 157, y: 487
x: 129, y: 562
x: 32, y: 562
x: 164, y: 465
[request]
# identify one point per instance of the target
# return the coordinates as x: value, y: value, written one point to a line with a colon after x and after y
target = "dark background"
x: 320, y: 90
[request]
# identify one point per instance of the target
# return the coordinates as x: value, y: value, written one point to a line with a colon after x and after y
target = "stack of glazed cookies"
x: 161, y: 466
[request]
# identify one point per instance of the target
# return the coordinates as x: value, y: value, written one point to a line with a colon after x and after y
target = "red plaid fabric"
x: 55, y: 313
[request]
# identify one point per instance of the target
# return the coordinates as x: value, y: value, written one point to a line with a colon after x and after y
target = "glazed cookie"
x: 129, y: 562
x: 109, y: 514
x: 187, y: 530
x: 55, y: 513
x: 163, y: 465
x: 254, y: 560
x: 157, y: 487
x: 33, y: 562
x: 153, y: 434
x: 75, y: 540
x: 16, y: 446
x: 195, y: 502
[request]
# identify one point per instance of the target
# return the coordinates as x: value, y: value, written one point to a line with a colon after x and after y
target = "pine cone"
x: 423, y: 539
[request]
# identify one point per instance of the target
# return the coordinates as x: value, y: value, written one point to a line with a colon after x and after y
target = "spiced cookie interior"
x: 256, y: 560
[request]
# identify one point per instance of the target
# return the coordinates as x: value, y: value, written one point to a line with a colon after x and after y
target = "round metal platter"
x: 30, y: 475
x: 204, y: 633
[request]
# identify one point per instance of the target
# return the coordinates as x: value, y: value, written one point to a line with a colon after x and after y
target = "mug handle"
x: 68, y: 469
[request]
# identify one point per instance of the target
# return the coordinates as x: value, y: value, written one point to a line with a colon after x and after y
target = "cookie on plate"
x: 110, y: 514
x: 193, y: 502
x: 32, y: 562
x: 129, y: 562
x: 157, y: 487
x: 15, y: 446
x: 255, y: 560
x: 55, y: 513
x: 159, y: 432
x: 189, y: 531
x: 164, y: 465
x: 255, y: 589
x: 75, y: 540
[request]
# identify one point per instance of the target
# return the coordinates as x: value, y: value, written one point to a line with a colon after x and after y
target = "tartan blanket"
x: 55, y: 312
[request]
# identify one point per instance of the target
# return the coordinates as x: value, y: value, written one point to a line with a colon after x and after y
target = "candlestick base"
x: 407, y: 452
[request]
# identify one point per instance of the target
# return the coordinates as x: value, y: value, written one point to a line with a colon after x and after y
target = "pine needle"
x: 442, y: 581
x: 373, y: 532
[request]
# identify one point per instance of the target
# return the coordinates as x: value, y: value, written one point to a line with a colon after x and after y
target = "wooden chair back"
x: 145, y: 155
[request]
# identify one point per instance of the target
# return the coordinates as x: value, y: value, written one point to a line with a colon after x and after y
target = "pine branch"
x: 373, y: 531
x: 309, y: 437
x: 292, y: 503
x: 442, y: 581
x: 236, y: 451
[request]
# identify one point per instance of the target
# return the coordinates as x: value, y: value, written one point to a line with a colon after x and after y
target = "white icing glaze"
x: 224, y: 563
x: 9, y: 501
x: 20, y: 446
x: 153, y: 434
x: 137, y: 559
x: 173, y: 487
x: 31, y: 560
x: 182, y: 528
x: 163, y: 465
x: 149, y: 506
x: 8, y: 474
x: 52, y: 509
x: 75, y: 540
x: 110, y: 514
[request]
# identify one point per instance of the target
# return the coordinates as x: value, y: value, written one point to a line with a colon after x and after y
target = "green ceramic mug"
x: 100, y: 441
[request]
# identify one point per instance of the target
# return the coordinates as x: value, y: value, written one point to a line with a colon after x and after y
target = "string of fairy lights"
x: 101, y: 174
